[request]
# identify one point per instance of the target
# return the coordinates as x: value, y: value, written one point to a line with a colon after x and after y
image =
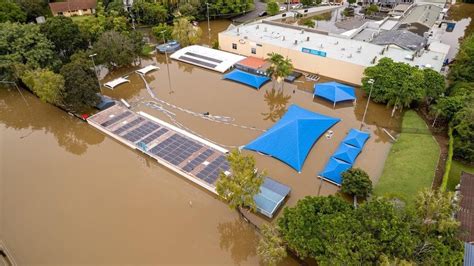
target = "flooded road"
x: 71, y: 195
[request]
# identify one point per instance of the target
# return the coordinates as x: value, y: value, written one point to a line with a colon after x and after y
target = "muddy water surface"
x: 70, y: 195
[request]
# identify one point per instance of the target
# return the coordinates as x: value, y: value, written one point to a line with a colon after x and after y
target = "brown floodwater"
x: 71, y: 195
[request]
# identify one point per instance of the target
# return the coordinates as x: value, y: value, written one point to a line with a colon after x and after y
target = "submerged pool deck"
x: 192, y: 157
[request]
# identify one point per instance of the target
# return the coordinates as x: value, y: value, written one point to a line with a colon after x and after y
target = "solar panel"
x: 204, y: 57
x: 198, y: 62
x: 115, y: 119
x: 211, y: 172
x: 155, y: 135
x: 141, y: 131
x: 129, y: 125
x: 175, y: 149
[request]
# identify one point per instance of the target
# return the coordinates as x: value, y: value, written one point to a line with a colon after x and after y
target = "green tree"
x: 397, y: 84
x: 309, y: 23
x: 307, y: 3
x: 240, y: 186
x: 115, y: 49
x: 464, y: 132
x: 351, y: 2
x: 272, y: 8
x: 162, y: 29
x: 434, y: 85
x: 34, y: 8
x: 188, y: 10
x: 10, y: 11
x: 463, y: 68
x: 65, y: 35
x: 80, y: 84
x: 271, y: 248
x: 279, y: 68
x: 23, y: 46
x: 185, y: 33
x: 371, y: 9
x: 47, y: 85
x: 149, y: 12
x: 356, y: 182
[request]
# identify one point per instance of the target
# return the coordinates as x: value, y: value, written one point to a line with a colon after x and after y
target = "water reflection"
x: 71, y: 133
x: 277, y: 102
x: 235, y: 237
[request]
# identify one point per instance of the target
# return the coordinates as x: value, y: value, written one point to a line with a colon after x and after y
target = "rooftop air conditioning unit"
x: 246, y: 37
x: 435, y: 57
x: 343, y: 49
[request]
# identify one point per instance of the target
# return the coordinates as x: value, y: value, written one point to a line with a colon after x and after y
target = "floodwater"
x: 71, y: 195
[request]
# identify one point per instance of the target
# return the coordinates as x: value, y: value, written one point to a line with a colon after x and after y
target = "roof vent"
x: 350, y: 56
x: 435, y: 57
x: 246, y: 37
x: 307, y: 38
x: 302, y: 31
x: 265, y: 29
x: 336, y: 43
x: 343, y: 49
x: 296, y: 42
x: 283, y: 38
x: 359, y: 49
x: 321, y: 45
x: 374, y: 60
x: 258, y: 27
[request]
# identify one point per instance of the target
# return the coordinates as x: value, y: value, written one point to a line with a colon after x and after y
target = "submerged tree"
x: 271, y: 247
x: 115, y: 49
x: 356, y: 182
x: 280, y: 68
x: 240, y: 186
x: 47, y: 85
x: 185, y: 33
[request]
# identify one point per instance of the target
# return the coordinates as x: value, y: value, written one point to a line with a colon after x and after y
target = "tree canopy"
x: 65, y: 35
x: 115, y: 49
x: 47, y: 85
x: 10, y: 11
x: 356, y: 182
x: 23, y: 45
x: 272, y: 8
x: 185, y: 33
x: 34, y: 8
x: 242, y: 184
x: 149, y: 12
x: 80, y: 84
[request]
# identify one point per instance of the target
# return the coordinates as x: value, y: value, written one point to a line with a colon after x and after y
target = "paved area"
x: 259, y: 7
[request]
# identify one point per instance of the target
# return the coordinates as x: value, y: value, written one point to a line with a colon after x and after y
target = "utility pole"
x: 208, y: 25
x: 371, y: 82
x: 95, y: 71
x: 167, y: 65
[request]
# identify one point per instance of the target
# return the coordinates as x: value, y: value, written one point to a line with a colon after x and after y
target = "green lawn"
x: 455, y: 173
x: 411, y: 163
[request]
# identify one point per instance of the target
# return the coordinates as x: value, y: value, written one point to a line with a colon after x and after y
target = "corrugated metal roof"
x: 72, y: 5
x: 466, y: 212
x: 402, y: 38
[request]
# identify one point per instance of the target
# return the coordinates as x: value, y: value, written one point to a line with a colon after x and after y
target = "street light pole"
x: 95, y: 71
x: 167, y: 65
x: 371, y: 82
x: 208, y: 25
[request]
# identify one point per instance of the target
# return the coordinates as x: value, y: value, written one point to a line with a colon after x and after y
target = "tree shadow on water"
x: 239, y: 238
x: 277, y: 102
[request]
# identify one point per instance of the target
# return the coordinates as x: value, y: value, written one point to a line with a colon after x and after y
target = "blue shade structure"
x: 356, y: 138
x: 333, y: 171
x: 334, y: 92
x: 271, y: 196
x: 346, y: 153
x: 293, y: 136
x: 254, y: 81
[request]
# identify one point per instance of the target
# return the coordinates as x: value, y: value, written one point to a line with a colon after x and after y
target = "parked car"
x: 282, y: 8
x: 262, y: 14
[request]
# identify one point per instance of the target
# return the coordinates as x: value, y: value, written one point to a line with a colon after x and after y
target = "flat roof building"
x: 334, y: 56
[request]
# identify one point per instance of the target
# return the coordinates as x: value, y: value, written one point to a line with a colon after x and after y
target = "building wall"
x: 75, y: 13
x: 332, y: 68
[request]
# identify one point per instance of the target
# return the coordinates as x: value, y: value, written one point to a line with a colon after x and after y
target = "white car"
x: 282, y: 8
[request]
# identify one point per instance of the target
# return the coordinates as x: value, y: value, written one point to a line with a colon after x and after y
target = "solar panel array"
x: 191, y: 156
x: 129, y: 125
x: 211, y: 172
x: 116, y: 118
x: 141, y: 131
x: 204, y: 57
x: 197, y: 62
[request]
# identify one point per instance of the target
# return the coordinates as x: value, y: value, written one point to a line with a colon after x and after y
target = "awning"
x: 255, y: 81
x: 114, y: 83
x: 356, y: 138
x: 293, y: 136
x: 347, y: 153
x: 333, y: 171
x: 271, y: 196
x: 145, y: 70
x: 334, y: 92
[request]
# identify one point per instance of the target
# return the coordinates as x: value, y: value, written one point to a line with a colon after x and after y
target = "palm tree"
x: 279, y: 68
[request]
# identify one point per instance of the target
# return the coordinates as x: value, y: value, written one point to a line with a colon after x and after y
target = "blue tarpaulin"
x: 246, y: 78
x: 271, y: 196
x: 356, y: 138
x: 333, y: 170
x: 346, y: 153
x: 293, y: 136
x: 334, y: 92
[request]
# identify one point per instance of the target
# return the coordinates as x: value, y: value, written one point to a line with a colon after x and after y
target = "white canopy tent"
x: 145, y: 70
x: 114, y: 83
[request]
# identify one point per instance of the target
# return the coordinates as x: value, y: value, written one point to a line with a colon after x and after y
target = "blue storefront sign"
x: 312, y: 51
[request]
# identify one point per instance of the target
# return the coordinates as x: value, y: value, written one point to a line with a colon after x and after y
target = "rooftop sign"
x: 312, y: 51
